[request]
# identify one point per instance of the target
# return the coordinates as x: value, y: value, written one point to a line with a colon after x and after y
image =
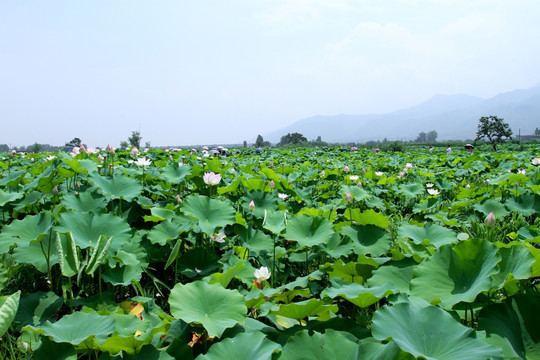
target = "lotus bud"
x: 110, y: 150
x: 55, y: 190
x: 77, y: 185
x: 490, y: 220
x: 346, y: 168
x: 134, y: 151
x: 348, y: 196
x: 468, y: 186
x: 100, y: 158
x: 272, y: 184
x: 76, y: 193
x: 323, y: 173
x: 359, y: 183
x: 178, y: 199
x: 252, y: 205
x: 82, y: 148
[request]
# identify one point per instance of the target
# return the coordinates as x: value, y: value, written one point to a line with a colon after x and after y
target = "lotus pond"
x: 321, y: 253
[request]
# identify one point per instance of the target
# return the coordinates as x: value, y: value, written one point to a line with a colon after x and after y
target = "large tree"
x: 135, y: 139
x: 494, y: 129
x: 431, y: 136
x: 294, y: 138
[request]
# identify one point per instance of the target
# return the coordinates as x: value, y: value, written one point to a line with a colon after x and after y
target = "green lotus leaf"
x: 359, y: 295
x: 516, y: 262
x: 69, y: 330
x: 22, y: 232
x: 453, y: 275
x: 241, y: 269
x: 149, y: 352
x: 198, y: 262
x: 526, y: 204
x: 175, y: 173
x: 85, y: 202
x: 6, y: 197
x: 115, y: 344
x: 36, y: 308
x: 430, y: 332
x: 356, y: 191
x: 436, y: 235
x: 67, y: 254
x: 252, y: 345
x: 352, y: 272
x: 211, y: 305
x: 160, y: 214
x: 369, y: 217
x: 410, y: 191
x: 117, y: 187
x: 262, y: 200
x: 211, y: 213
x: 86, y: 228
x: 8, y: 309
x: 302, y: 282
x: 339, y: 246
x: 398, y: 273
x: 50, y: 350
x: 274, y: 221
x: 368, y: 239
x: 336, y: 345
x: 30, y: 199
x: 303, y: 309
x: 492, y: 205
x: 256, y: 241
x: 309, y: 231
x: 33, y: 254
x: 13, y: 178
x: 513, y: 326
x: 167, y: 230
x: 123, y: 275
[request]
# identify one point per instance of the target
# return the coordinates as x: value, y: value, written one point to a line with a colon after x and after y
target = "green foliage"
x: 293, y: 139
x: 135, y: 139
x: 494, y: 129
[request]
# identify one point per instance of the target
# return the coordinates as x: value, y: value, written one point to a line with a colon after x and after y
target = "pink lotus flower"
x: 110, y: 150
x: 323, y: 173
x: 359, y: 183
x: 252, y: 205
x: 272, y: 184
x: 211, y: 178
x: 535, y: 161
x: 490, y: 220
x: 348, y: 196
x: 346, y: 168
x: 467, y: 186
x: 134, y: 151
x: 178, y: 199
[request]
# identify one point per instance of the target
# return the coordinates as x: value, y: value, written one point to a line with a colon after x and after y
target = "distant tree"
x: 421, y: 138
x: 537, y: 131
x: 431, y: 136
x: 35, y: 148
x: 147, y: 145
x: 319, y: 139
x: 294, y: 138
x: 259, y: 142
x: 245, y: 144
x: 75, y: 142
x: 4, y: 148
x: 135, y: 139
x: 124, y: 145
x: 494, y: 129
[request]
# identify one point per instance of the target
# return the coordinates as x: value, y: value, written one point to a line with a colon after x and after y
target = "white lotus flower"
x: 353, y: 177
x: 535, y: 161
x: 468, y: 186
x: 433, y: 191
x: 211, y: 178
x: 429, y: 185
x: 144, y: 162
x: 379, y: 173
x: 219, y: 238
x: 282, y: 196
x: 262, y: 274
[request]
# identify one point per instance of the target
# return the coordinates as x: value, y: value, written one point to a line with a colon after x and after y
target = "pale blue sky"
x: 215, y: 71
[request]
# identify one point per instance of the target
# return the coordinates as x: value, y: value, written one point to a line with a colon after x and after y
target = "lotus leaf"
x: 492, y: 205
x: 211, y: 213
x: 36, y: 308
x: 174, y: 173
x: 252, y: 345
x: 86, y: 228
x: 303, y: 309
x: 513, y: 326
x: 211, y: 305
x: 369, y: 217
x: 117, y: 187
x: 359, y: 295
x: 22, y: 232
x: 85, y: 202
x: 398, y: 273
x: 69, y: 330
x: 368, y: 239
x: 309, y: 231
x: 8, y: 309
x: 516, y: 262
x: 457, y: 274
x: 50, y: 350
x: 263, y: 202
x: 6, y: 197
x: 434, y: 333
x: 434, y: 234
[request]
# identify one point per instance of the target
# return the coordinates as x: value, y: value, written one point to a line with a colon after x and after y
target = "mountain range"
x: 452, y: 116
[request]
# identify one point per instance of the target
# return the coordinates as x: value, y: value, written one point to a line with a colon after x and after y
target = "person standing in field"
x: 448, y: 150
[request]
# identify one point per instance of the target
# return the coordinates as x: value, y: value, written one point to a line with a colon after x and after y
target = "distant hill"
x: 452, y: 116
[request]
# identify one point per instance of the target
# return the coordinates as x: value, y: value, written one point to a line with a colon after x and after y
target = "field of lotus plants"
x: 317, y: 253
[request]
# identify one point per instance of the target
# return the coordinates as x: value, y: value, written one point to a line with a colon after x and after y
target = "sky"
x: 221, y: 72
